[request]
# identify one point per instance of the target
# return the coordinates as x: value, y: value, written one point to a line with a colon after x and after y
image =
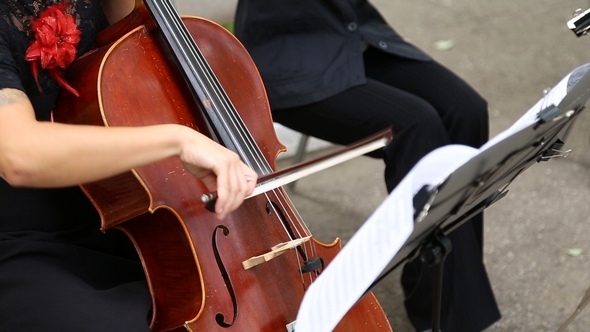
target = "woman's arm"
x: 46, y: 154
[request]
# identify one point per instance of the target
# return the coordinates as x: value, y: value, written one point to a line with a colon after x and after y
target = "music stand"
x: 483, y: 180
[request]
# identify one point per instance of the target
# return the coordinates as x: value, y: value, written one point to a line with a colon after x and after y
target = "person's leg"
x: 364, y: 110
x: 468, y: 303
x: 468, y: 300
x: 41, y: 291
x: 361, y: 111
x: 463, y: 111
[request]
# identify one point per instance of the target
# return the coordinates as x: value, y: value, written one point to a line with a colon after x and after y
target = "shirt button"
x: 383, y: 44
x: 352, y: 26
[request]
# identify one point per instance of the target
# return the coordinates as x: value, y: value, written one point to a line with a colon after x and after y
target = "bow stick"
x: 293, y: 173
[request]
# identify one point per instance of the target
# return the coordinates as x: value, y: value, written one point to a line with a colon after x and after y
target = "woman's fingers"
x: 234, y: 183
x: 220, y: 169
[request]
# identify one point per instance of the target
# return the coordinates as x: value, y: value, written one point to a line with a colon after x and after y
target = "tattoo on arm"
x: 11, y: 96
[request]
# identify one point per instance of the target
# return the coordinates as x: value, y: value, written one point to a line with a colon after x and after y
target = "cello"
x: 203, y: 274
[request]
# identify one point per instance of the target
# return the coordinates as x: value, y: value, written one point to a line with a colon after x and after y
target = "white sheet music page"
x: 374, y: 245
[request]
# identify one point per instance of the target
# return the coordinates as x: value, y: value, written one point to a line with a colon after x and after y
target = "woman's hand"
x: 41, y: 154
x: 221, y: 170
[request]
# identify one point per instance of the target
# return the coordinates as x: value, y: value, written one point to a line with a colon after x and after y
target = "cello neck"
x: 224, y: 123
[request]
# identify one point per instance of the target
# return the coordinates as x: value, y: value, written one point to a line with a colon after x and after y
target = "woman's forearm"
x: 45, y: 154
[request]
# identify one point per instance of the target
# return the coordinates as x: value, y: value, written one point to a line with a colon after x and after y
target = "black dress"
x: 58, y: 272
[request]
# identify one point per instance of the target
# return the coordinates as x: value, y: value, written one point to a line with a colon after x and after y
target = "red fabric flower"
x: 54, y: 47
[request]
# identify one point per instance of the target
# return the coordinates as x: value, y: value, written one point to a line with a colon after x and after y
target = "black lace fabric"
x: 16, y: 35
x: 23, y: 12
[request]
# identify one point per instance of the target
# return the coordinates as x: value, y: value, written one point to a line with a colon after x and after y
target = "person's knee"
x: 468, y: 123
x: 477, y: 111
x: 470, y: 108
x: 430, y: 127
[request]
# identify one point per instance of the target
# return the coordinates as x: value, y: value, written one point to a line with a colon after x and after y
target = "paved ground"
x: 510, y: 51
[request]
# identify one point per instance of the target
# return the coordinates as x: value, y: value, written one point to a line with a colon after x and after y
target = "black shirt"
x: 308, y: 50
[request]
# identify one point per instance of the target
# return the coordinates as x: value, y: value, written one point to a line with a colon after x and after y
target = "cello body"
x: 192, y: 261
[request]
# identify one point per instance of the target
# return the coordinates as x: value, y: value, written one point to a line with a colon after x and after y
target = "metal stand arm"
x: 434, y: 253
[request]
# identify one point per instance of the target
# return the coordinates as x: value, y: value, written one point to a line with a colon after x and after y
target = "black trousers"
x: 427, y: 106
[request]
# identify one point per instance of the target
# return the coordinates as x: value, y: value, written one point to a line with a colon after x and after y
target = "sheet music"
x: 377, y: 242
x: 374, y: 245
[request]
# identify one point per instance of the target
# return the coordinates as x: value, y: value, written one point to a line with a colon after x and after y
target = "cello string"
x: 214, y: 83
x: 217, y: 95
x: 279, y: 215
x: 307, y: 247
x: 211, y: 87
x: 281, y: 193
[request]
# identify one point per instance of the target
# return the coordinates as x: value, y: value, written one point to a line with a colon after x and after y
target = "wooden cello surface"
x: 194, y: 262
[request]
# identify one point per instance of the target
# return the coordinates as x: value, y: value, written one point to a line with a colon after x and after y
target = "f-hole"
x: 219, y: 317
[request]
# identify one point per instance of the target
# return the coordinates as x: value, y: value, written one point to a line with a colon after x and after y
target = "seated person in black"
x: 336, y: 70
